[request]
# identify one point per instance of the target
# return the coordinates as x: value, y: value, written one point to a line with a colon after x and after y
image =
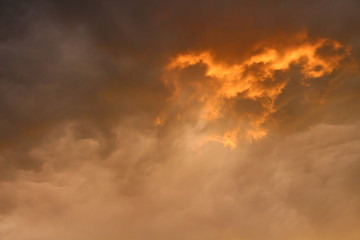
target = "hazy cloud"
x: 114, y: 116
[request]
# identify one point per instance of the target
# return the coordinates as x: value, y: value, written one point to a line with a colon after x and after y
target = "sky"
x: 181, y: 120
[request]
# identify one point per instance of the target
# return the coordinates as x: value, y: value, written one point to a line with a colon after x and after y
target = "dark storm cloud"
x: 52, y: 73
x: 228, y: 26
x: 67, y: 60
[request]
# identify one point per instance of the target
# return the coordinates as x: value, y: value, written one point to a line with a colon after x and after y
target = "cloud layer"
x: 213, y: 120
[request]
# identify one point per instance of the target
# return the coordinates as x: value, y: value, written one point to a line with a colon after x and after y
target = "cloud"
x: 114, y: 116
x: 218, y: 90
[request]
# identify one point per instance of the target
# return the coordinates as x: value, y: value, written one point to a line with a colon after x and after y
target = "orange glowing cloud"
x: 222, y: 85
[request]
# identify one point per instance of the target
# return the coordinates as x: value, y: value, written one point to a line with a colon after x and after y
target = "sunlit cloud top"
x: 218, y: 87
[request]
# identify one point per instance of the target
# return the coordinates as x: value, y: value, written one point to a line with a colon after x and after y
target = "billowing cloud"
x: 223, y: 89
x: 186, y: 120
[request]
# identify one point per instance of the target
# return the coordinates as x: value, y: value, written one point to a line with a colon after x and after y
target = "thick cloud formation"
x: 179, y: 120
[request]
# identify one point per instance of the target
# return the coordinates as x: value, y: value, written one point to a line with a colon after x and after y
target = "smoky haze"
x: 185, y: 120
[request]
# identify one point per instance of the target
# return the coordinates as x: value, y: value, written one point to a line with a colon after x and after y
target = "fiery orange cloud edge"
x: 224, y: 83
